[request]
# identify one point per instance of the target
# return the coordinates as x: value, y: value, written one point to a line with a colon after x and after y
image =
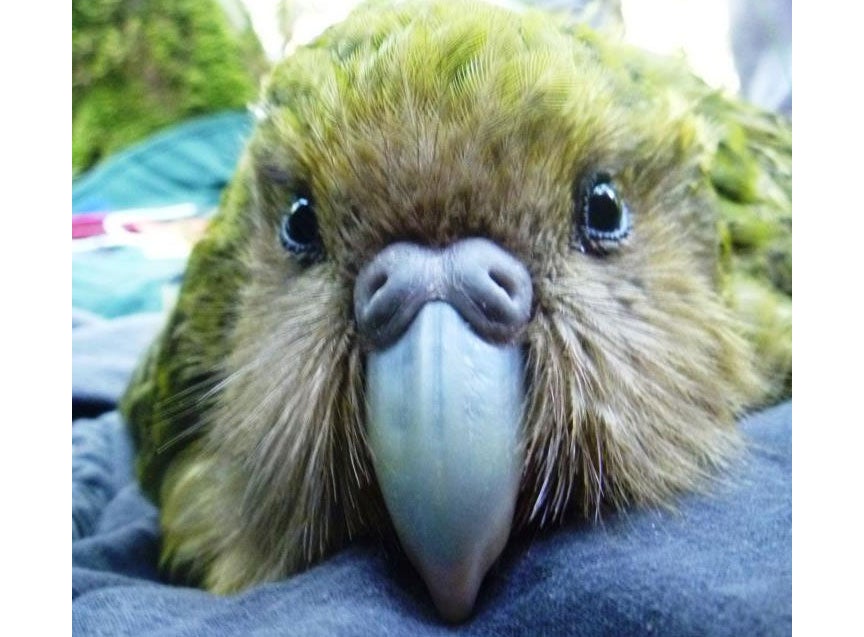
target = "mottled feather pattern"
x: 430, y: 122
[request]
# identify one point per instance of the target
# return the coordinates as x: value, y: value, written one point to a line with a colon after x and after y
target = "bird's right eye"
x: 602, y: 218
x: 298, y: 230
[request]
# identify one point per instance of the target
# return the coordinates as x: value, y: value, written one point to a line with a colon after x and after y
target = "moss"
x: 140, y: 66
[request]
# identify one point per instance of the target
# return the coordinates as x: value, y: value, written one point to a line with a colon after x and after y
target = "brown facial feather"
x: 636, y: 369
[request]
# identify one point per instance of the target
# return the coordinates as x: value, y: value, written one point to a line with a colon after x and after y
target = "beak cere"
x: 445, y: 392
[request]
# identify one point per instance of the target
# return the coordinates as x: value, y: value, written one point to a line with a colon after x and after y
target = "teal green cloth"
x: 112, y: 282
x: 188, y: 163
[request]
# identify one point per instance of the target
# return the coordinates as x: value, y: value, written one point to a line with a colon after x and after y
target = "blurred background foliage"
x: 141, y: 65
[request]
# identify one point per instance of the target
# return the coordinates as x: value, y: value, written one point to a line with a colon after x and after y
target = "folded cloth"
x: 104, y: 354
x: 720, y: 564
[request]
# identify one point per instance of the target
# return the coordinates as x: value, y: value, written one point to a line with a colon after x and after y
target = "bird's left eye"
x: 603, y: 219
x: 298, y: 230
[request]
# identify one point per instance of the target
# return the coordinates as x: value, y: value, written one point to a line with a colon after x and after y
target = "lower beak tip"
x: 455, y: 605
x: 454, y: 589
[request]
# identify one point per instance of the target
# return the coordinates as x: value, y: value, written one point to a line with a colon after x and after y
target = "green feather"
x: 171, y: 387
x: 749, y: 166
x: 746, y: 163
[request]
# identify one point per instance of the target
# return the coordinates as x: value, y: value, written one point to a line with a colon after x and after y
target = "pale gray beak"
x: 445, y: 394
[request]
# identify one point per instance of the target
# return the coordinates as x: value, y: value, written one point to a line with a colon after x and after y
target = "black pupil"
x: 604, y: 210
x: 302, y: 224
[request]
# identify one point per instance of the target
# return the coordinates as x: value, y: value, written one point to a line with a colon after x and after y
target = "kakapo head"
x: 478, y: 270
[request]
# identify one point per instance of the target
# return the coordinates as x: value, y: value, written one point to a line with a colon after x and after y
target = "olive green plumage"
x: 749, y: 165
x: 431, y: 122
x: 140, y: 66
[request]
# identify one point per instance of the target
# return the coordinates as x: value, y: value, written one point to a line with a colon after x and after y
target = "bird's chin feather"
x: 629, y: 411
x: 286, y: 447
x: 616, y: 413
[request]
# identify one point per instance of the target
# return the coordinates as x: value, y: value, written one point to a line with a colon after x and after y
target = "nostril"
x: 490, y: 288
x: 379, y: 280
x: 390, y: 289
x: 504, y: 281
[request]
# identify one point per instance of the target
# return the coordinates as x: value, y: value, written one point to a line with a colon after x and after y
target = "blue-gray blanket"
x: 720, y: 565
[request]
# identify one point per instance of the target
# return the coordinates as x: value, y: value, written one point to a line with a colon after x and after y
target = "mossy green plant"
x: 140, y: 66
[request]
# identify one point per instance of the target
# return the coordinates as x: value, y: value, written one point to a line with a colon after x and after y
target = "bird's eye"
x: 603, y: 219
x: 298, y: 230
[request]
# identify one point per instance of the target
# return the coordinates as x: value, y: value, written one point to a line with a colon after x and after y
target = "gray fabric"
x: 104, y: 353
x: 719, y: 565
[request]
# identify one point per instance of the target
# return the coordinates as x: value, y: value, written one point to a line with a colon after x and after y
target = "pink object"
x: 88, y: 224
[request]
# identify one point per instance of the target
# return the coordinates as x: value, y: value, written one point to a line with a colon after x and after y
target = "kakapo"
x: 478, y: 271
